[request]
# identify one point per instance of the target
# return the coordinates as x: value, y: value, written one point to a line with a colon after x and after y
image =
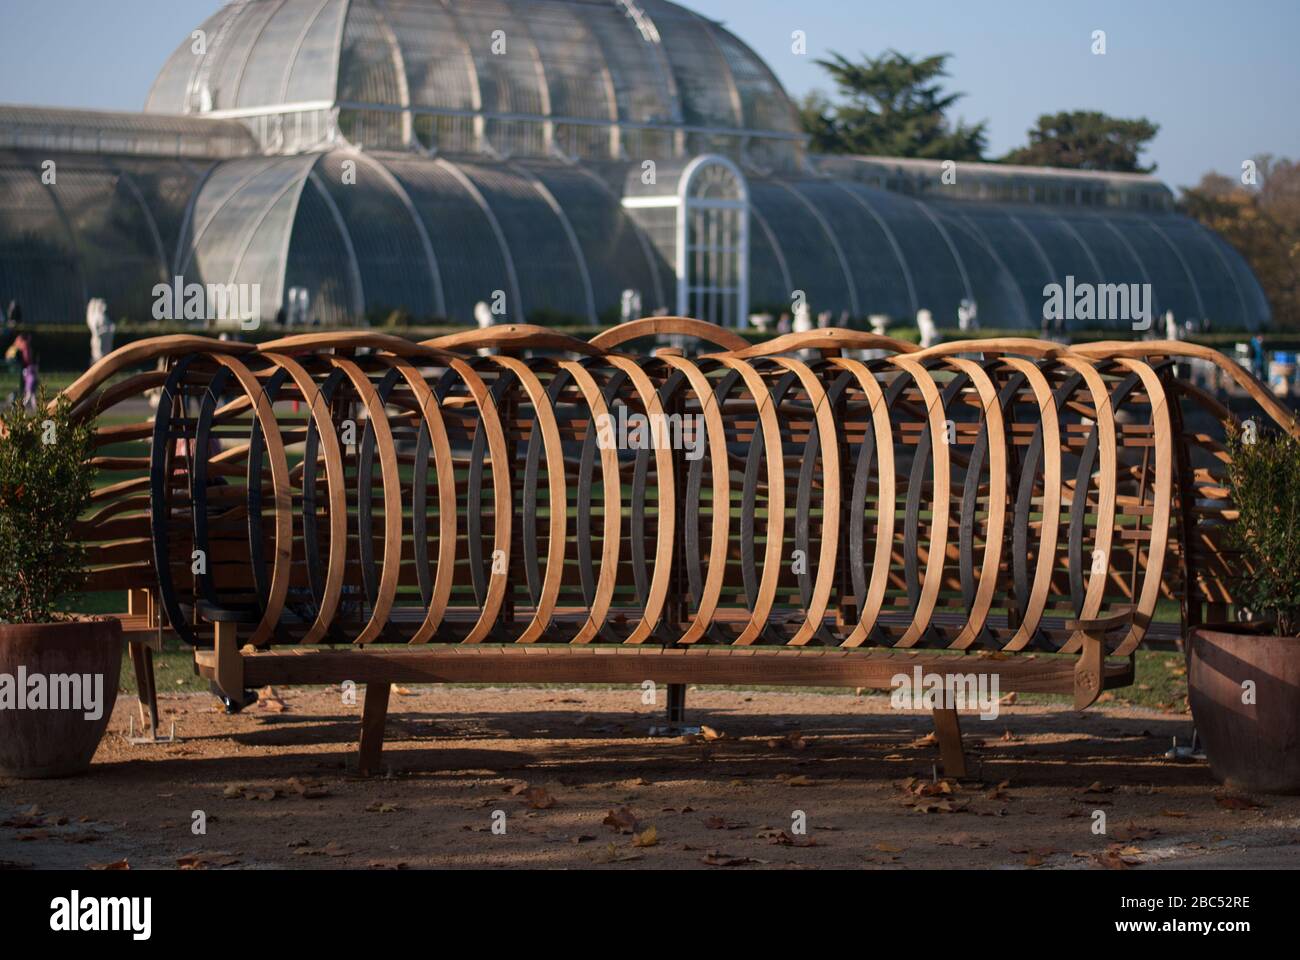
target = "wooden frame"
x: 996, y: 509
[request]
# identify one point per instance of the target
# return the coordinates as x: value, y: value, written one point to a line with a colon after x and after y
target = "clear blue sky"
x: 1221, y: 79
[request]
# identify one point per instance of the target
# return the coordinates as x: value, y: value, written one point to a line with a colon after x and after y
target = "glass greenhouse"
x: 361, y: 157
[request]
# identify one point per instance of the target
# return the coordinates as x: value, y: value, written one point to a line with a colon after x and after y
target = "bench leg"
x: 229, y: 664
x: 145, y: 687
x: 1089, y: 670
x: 947, y: 731
x: 373, y: 715
x: 676, y: 704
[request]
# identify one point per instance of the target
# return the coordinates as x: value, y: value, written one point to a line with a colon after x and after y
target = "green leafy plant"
x: 1264, y: 475
x: 45, y: 485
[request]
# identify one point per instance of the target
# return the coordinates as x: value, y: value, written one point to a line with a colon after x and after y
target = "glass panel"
x: 998, y: 298
x: 939, y: 286
x: 318, y: 263
x: 616, y: 258
x: 813, y: 266
x: 394, y: 270
x: 315, y: 70
x: 464, y: 244
x: 439, y: 70
x: 877, y: 272
x: 550, y: 281
x: 368, y: 68
x: 698, y: 66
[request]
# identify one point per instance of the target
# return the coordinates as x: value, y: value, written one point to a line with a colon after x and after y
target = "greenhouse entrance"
x: 713, y: 242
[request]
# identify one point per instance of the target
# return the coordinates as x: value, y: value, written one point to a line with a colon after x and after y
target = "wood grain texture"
x: 838, y: 439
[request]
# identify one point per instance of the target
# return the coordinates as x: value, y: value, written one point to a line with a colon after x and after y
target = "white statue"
x: 484, y: 318
x: 879, y: 325
x: 968, y: 316
x: 1171, y: 326
x: 803, y: 320
x: 101, y: 329
x: 929, y: 332
x: 761, y: 321
x: 630, y: 305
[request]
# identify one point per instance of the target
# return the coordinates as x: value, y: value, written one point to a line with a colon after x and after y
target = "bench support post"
x: 947, y: 731
x: 373, y: 716
x: 1088, y: 670
x: 139, y: 603
x: 676, y: 704
x: 229, y: 673
x: 145, y: 690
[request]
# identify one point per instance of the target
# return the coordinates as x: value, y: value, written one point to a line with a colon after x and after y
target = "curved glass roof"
x: 558, y: 63
x: 434, y: 236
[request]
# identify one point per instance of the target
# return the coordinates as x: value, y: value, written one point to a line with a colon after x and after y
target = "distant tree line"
x: 895, y: 105
x: 1262, y: 221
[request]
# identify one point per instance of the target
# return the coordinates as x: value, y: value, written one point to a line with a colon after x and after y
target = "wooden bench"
x: 356, y: 507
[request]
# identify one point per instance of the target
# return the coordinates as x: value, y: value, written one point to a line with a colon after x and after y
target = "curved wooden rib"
x: 1150, y: 349
x: 336, y: 567
x: 312, y: 343
x: 720, y: 531
x: 1051, y: 509
x: 557, y: 495
x: 665, y: 326
x: 667, y: 501
x: 773, y: 555
x: 145, y: 351
x: 1107, y: 479
x: 1162, y: 498
x: 940, y: 505
x: 514, y: 336
x: 611, y: 538
x: 995, y: 347
x: 382, y: 607
x: 888, y: 506
x: 997, y: 514
x: 490, y: 422
x: 447, y: 514
x: 829, y: 338
x: 830, y: 538
x: 280, y: 569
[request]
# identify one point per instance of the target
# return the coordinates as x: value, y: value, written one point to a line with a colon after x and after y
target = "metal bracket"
x: 153, y: 737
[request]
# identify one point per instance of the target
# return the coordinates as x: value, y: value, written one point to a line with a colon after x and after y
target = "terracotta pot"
x: 1254, y: 747
x: 40, y: 741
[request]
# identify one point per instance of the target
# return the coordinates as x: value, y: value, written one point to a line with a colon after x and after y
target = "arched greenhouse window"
x: 713, y: 242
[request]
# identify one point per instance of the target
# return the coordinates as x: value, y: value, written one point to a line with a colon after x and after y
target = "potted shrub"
x: 1244, y: 679
x: 58, y: 673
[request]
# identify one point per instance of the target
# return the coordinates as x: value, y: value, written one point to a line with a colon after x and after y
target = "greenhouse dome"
x: 358, y: 159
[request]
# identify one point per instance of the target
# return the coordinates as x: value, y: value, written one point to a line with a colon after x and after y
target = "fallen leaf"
x: 538, y: 799
x: 649, y: 838
x: 715, y: 859
x: 1237, y: 803
x: 722, y: 823
x: 382, y: 806
x: 708, y: 733
x: 115, y: 865
x: 204, y: 859
x: 612, y: 854
x: 621, y: 820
